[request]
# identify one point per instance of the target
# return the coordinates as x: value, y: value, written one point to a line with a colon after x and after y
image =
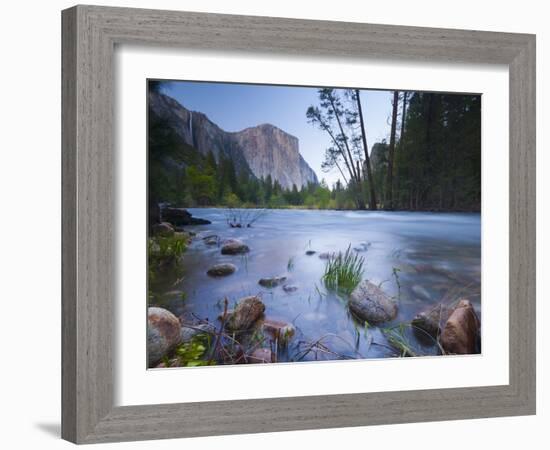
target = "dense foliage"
x: 436, y: 161
x: 438, y: 158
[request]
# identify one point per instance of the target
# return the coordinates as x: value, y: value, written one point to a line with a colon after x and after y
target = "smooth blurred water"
x: 437, y: 257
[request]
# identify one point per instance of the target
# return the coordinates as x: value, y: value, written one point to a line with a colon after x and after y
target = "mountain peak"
x: 262, y: 150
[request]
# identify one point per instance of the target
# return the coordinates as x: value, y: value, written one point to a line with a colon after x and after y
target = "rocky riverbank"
x: 249, y: 330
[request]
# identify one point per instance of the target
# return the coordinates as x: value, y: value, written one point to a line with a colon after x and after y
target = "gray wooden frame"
x: 90, y: 34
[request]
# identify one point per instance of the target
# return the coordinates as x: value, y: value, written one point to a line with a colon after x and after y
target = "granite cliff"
x: 261, y: 151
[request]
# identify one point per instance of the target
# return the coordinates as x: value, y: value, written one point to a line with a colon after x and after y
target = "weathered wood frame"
x: 89, y: 37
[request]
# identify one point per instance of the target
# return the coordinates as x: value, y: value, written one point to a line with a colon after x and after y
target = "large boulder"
x: 245, y: 314
x: 163, y: 333
x: 181, y: 217
x: 368, y: 302
x: 432, y: 320
x: 163, y: 229
x: 461, y: 332
x: 221, y: 270
x: 234, y: 247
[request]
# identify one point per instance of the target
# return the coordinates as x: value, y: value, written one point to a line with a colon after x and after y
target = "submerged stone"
x: 221, y: 270
x: 234, y: 247
x: 290, y: 288
x: 271, y: 282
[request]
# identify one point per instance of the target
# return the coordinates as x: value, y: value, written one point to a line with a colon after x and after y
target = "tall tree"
x: 336, y: 115
x: 391, y: 151
x: 370, y: 180
x: 403, y: 115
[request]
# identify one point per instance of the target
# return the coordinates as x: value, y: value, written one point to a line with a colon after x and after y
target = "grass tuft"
x: 344, y: 271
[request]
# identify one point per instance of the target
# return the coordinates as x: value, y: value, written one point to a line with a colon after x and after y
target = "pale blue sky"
x: 234, y: 107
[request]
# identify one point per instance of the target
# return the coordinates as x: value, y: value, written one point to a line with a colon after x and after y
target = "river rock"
x: 234, y: 247
x: 290, y: 288
x: 211, y: 240
x: 163, y: 333
x: 188, y: 333
x: 271, y: 282
x: 368, y: 302
x: 181, y: 217
x: 461, y: 332
x: 163, y: 229
x: 310, y: 252
x: 261, y: 356
x: 221, y: 270
x: 278, y: 329
x: 433, y: 320
x: 362, y: 247
x: 246, y: 313
x: 325, y: 255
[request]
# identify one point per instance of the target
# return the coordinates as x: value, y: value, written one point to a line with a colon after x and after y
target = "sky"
x: 234, y: 107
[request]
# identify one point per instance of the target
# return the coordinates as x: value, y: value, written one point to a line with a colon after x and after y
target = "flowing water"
x: 420, y: 259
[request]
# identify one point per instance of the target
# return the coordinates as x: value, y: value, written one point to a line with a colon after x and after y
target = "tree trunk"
x: 403, y: 115
x: 372, y: 203
x: 391, y: 152
x: 401, y: 134
x: 361, y: 199
x: 354, y: 174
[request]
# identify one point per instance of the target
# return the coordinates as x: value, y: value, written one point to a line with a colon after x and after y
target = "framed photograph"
x: 268, y: 230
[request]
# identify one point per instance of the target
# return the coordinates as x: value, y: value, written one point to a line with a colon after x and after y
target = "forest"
x: 430, y: 161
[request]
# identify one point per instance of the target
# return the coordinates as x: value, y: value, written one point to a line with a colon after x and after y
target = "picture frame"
x: 89, y: 37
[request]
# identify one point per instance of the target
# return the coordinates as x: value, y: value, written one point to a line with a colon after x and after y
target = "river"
x: 420, y: 259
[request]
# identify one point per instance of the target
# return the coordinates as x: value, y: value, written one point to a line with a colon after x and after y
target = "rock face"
x: 379, y: 156
x: 163, y: 333
x: 221, y: 270
x: 433, y: 320
x: 270, y: 151
x: 258, y: 151
x: 461, y: 333
x: 234, y: 247
x: 246, y: 313
x: 368, y: 302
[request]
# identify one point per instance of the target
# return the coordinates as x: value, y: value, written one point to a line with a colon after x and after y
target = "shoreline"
x: 430, y: 211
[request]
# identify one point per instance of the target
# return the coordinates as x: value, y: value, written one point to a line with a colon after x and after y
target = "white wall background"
x: 31, y: 208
